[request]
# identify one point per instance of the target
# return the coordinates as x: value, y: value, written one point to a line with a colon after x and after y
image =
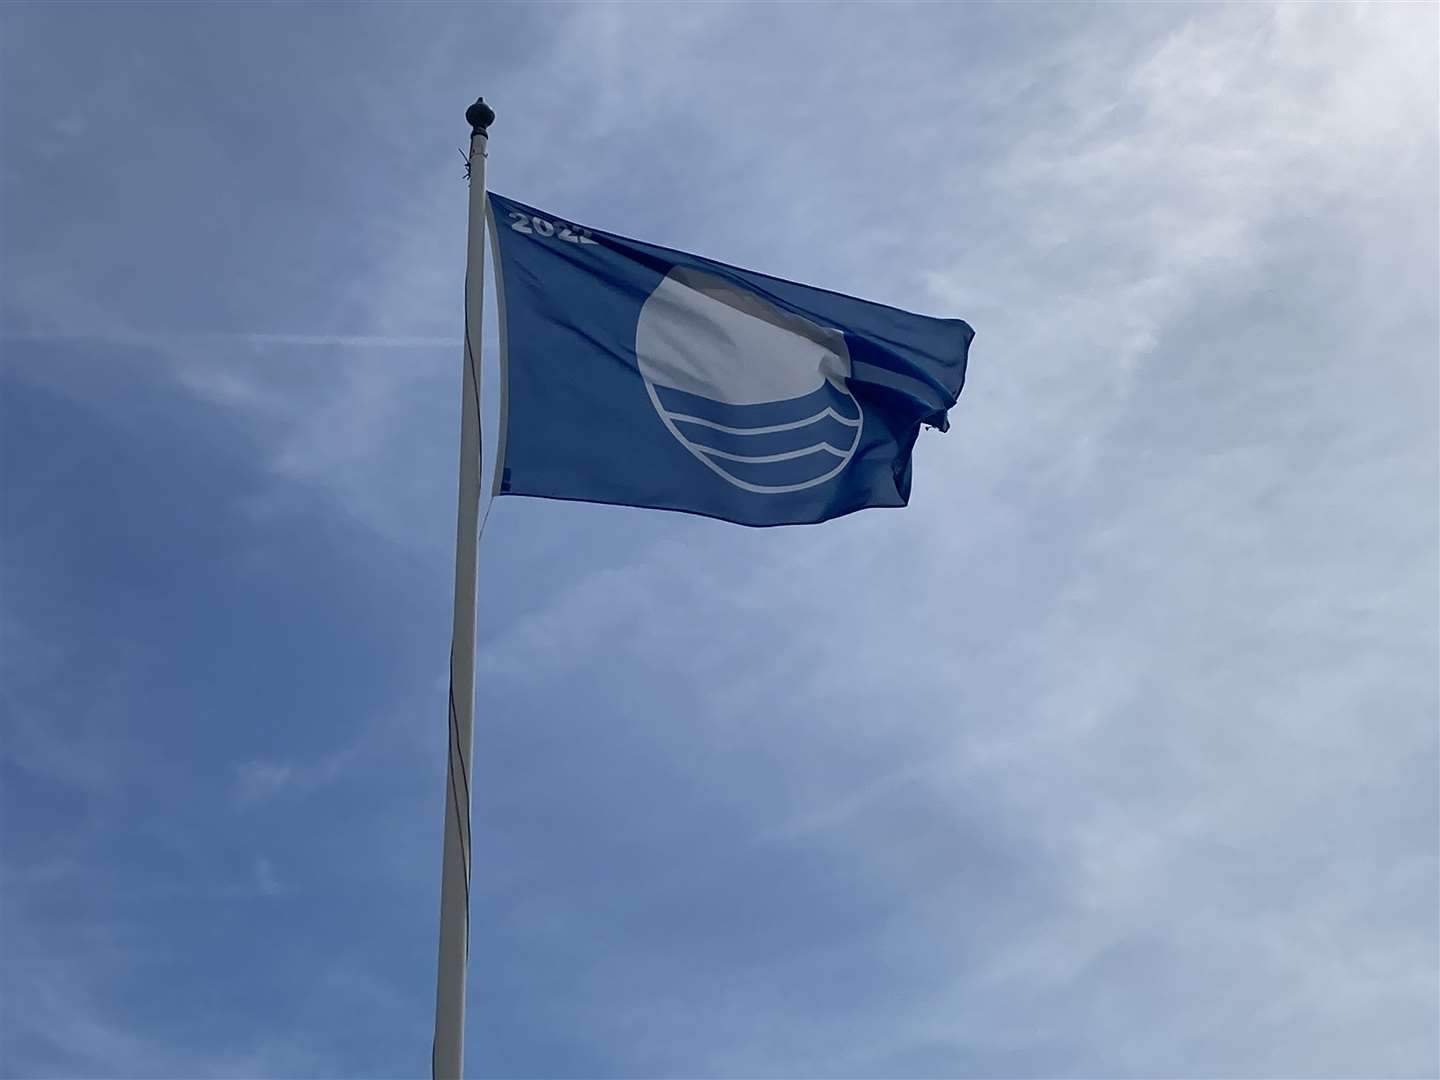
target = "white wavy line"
x: 746, y: 485
x: 683, y: 419
x: 764, y: 458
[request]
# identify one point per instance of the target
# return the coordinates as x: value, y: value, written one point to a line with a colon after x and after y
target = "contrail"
x: 356, y: 341
x: 348, y: 341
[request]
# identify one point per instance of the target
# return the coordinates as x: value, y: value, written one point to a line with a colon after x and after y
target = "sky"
x: 1113, y: 755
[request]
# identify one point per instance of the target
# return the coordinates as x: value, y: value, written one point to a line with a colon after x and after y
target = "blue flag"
x: 644, y: 376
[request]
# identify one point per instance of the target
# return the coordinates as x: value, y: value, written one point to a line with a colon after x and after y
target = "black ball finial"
x: 480, y: 116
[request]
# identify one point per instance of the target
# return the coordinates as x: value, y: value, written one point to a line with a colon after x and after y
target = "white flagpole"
x: 448, y: 1050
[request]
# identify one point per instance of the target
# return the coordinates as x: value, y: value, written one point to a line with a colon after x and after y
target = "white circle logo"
x: 755, y: 393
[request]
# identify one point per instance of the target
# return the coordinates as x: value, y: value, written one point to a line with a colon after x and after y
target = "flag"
x: 643, y: 376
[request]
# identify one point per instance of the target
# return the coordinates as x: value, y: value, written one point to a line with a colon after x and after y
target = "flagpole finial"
x: 480, y: 116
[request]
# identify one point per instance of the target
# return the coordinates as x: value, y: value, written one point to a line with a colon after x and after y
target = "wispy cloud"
x: 266, y: 880
x: 1148, y: 665
x: 1112, y: 755
x: 258, y: 782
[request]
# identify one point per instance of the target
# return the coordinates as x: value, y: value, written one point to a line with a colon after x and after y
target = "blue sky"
x: 1114, y: 754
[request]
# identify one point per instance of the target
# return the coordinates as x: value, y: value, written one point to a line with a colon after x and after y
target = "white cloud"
x: 267, y: 882
x: 66, y: 1020
x: 263, y: 781
x: 1125, y: 642
x: 1159, y: 625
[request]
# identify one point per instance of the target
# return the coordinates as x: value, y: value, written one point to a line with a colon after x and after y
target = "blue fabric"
x: 589, y: 418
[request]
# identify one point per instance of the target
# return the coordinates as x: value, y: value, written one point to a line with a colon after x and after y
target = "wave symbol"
x: 755, y: 393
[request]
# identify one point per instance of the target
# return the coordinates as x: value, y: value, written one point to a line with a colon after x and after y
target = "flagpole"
x: 448, y: 1050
